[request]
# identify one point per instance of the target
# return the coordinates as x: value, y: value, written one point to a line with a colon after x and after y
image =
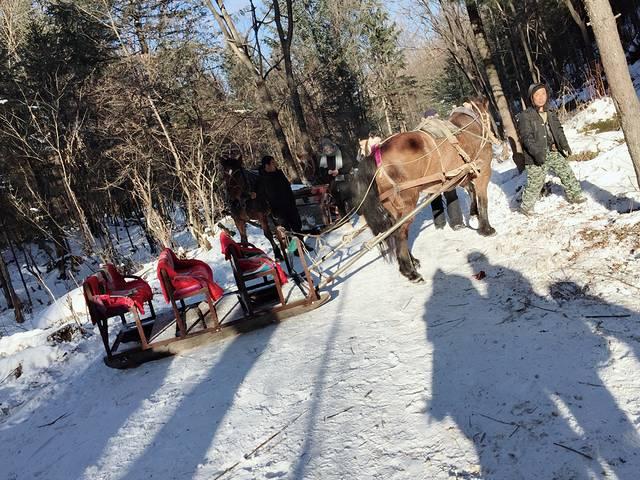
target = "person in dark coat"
x: 451, y: 198
x: 335, y: 169
x: 274, y: 186
x: 545, y: 148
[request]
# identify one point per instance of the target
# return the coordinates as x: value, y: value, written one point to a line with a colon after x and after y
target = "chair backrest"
x: 93, y: 286
x: 115, y: 280
x: 228, y: 246
x: 166, y: 272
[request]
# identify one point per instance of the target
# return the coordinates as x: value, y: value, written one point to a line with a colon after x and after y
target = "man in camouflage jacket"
x: 545, y: 148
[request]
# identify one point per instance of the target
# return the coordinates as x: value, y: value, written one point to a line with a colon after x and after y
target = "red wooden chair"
x: 249, y: 263
x: 182, y: 279
x: 103, y: 305
x: 137, y: 287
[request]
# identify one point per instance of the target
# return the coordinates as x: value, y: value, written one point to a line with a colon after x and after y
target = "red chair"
x: 103, y: 305
x: 248, y: 263
x: 137, y: 288
x: 182, y: 279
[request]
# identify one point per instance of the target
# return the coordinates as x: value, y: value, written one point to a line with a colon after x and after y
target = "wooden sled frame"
x: 260, y: 318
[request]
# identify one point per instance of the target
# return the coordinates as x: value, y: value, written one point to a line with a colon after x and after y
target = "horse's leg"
x: 264, y: 224
x: 406, y: 261
x: 241, y: 225
x: 473, y: 207
x: 485, y: 229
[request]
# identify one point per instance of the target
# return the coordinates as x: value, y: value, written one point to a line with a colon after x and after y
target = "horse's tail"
x: 377, y: 217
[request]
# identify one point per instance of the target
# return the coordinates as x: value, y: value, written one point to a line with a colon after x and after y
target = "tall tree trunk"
x: 285, y: 45
x: 492, y: 73
x: 15, y: 259
x: 617, y: 71
x: 5, y: 291
x: 15, y: 301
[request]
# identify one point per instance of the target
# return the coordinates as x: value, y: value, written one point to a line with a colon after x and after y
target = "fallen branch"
x: 607, y: 316
x: 591, y: 384
x: 340, y: 412
x: 252, y: 452
x: 496, y: 420
x: 574, y: 450
x: 13, y: 372
x: 51, y: 423
x: 529, y: 304
x: 227, y: 470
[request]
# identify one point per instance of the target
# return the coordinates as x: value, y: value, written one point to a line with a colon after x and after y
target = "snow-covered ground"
x: 532, y: 372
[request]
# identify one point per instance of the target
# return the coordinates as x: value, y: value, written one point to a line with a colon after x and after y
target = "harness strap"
x: 439, y: 178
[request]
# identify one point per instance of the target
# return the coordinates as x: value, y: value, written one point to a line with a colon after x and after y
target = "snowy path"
x: 531, y: 372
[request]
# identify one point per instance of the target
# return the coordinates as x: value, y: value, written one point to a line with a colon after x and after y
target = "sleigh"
x: 200, y: 312
x: 315, y: 207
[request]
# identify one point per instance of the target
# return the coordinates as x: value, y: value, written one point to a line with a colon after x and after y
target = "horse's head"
x: 367, y: 144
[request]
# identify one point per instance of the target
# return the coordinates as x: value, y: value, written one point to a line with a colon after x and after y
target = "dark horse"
x: 415, y: 161
x: 239, y: 183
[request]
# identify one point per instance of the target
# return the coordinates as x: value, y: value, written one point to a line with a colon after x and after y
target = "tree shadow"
x: 310, y: 445
x: 85, y: 420
x: 620, y: 203
x: 189, y: 433
x: 520, y: 378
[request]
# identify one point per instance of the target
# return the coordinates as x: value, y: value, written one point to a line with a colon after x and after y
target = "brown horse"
x: 243, y: 207
x: 412, y: 162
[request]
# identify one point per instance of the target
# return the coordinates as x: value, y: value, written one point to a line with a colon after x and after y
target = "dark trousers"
x: 453, y: 210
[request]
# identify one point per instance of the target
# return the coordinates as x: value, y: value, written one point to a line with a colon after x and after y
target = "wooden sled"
x: 137, y: 356
x: 208, y: 321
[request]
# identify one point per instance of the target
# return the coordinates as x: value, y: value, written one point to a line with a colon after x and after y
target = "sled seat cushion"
x: 186, y: 277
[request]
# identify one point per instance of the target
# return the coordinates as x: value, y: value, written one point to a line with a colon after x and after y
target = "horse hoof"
x: 417, y: 280
x: 487, y: 232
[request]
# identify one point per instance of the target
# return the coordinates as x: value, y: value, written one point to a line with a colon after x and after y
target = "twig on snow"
x: 529, y: 304
x: 607, y: 316
x: 227, y: 470
x: 338, y: 413
x: 574, y: 450
x: 496, y: 420
x: 54, y: 421
x: 591, y: 384
x: 12, y: 373
x: 252, y: 452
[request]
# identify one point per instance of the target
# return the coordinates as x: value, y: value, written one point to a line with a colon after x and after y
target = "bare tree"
x: 286, y: 38
x: 238, y: 45
x: 14, y: 18
x: 492, y: 74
